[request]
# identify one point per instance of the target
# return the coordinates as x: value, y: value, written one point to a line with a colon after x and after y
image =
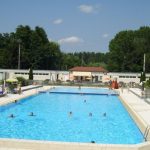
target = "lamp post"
x: 144, y: 63
x: 19, y: 41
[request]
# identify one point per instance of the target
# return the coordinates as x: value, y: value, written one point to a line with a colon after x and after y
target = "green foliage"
x: 97, y: 64
x: 143, y: 77
x: 22, y: 81
x: 127, y: 50
x: 36, y: 50
x: 125, y: 54
x: 11, y: 87
x: 83, y: 59
x: 147, y: 84
x: 1, y: 82
x: 30, y: 74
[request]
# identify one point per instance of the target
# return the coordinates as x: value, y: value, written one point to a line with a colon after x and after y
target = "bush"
x: 31, y: 74
x: 143, y: 77
x: 11, y: 87
x: 1, y: 82
x: 46, y: 81
x: 147, y: 84
x: 22, y: 81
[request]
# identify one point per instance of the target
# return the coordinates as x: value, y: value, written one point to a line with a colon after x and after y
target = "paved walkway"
x: 139, y: 93
x: 138, y: 105
x: 12, y: 97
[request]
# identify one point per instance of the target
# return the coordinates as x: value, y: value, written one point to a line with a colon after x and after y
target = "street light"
x: 144, y: 63
x: 19, y: 41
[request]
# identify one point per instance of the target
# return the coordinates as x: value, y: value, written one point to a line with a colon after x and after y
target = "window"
x: 100, y: 77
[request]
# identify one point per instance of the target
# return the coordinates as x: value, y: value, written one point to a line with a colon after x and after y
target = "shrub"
x: 147, y: 83
x: 22, y: 81
x: 31, y: 74
x: 11, y: 87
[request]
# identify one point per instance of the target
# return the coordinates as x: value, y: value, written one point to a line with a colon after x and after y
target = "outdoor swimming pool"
x: 108, y: 122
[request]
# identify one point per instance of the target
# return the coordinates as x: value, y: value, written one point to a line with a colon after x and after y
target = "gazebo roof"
x: 88, y: 69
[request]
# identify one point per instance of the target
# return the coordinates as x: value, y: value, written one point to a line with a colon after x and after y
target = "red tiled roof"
x: 89, y: 69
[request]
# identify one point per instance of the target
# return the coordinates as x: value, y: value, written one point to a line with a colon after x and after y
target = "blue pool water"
x: 52, y: 121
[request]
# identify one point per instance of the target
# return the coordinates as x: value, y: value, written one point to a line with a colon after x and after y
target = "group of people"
x: 90, y: 114
x: 113, y: 84
x: 13, y: 116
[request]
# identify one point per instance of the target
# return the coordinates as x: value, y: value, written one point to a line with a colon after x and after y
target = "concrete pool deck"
x: 136, y: 106
x: 27, y: 91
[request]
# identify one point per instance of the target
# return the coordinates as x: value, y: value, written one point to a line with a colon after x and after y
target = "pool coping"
x: 21, y: 144
x: 130, y: 105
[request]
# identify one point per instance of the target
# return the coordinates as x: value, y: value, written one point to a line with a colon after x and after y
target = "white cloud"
x: 86, y: 8
x: 57, y: 21
x: 70, y: 40
x: 105, y: 35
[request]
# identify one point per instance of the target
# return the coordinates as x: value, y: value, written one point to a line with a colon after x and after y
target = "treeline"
x: 39, y: 53
x: 126, y: 51
x: 84, y: 59
x: 36, y: 50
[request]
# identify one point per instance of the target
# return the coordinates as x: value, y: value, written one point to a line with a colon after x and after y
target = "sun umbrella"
x: 11, y: 80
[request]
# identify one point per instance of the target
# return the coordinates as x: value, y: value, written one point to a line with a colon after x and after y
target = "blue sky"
x: 77, y: 25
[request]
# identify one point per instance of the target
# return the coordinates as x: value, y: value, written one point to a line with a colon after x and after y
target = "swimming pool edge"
x: 44, y: 145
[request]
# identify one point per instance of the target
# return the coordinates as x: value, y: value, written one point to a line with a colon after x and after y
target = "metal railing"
x: 146, y: 133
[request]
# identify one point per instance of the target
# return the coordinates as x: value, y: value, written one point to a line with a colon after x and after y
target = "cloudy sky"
x: 77, y: 25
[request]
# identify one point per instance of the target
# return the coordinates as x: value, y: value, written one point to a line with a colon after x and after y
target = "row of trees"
x: 126, y: 51
x: 36, y: 50
x: 39, y: 53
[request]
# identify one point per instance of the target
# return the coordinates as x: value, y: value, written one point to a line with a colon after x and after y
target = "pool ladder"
x: 146, y: 133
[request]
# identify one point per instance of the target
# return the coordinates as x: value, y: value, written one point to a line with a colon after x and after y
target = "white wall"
x: 64, y: 75
x: 125, y: 77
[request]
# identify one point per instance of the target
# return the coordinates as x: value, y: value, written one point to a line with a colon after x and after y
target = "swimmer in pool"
x: 104, y: 114
x: 12, y: 116
x: 70, y: 113
x: 31, y: 114
x: 90, y: 114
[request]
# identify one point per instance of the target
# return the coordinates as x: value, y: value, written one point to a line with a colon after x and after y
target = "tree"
x: 22, y: 81
x: 127, y: 49
x: 31, y: 74
x: 143, y: 77
x: 147, y: 84
x: 125, y: 54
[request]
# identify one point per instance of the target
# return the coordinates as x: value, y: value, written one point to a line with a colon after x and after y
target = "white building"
x: 37, y: 74
x: 85, y: 74
x: 100, y: 74
x: 126, y: 77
